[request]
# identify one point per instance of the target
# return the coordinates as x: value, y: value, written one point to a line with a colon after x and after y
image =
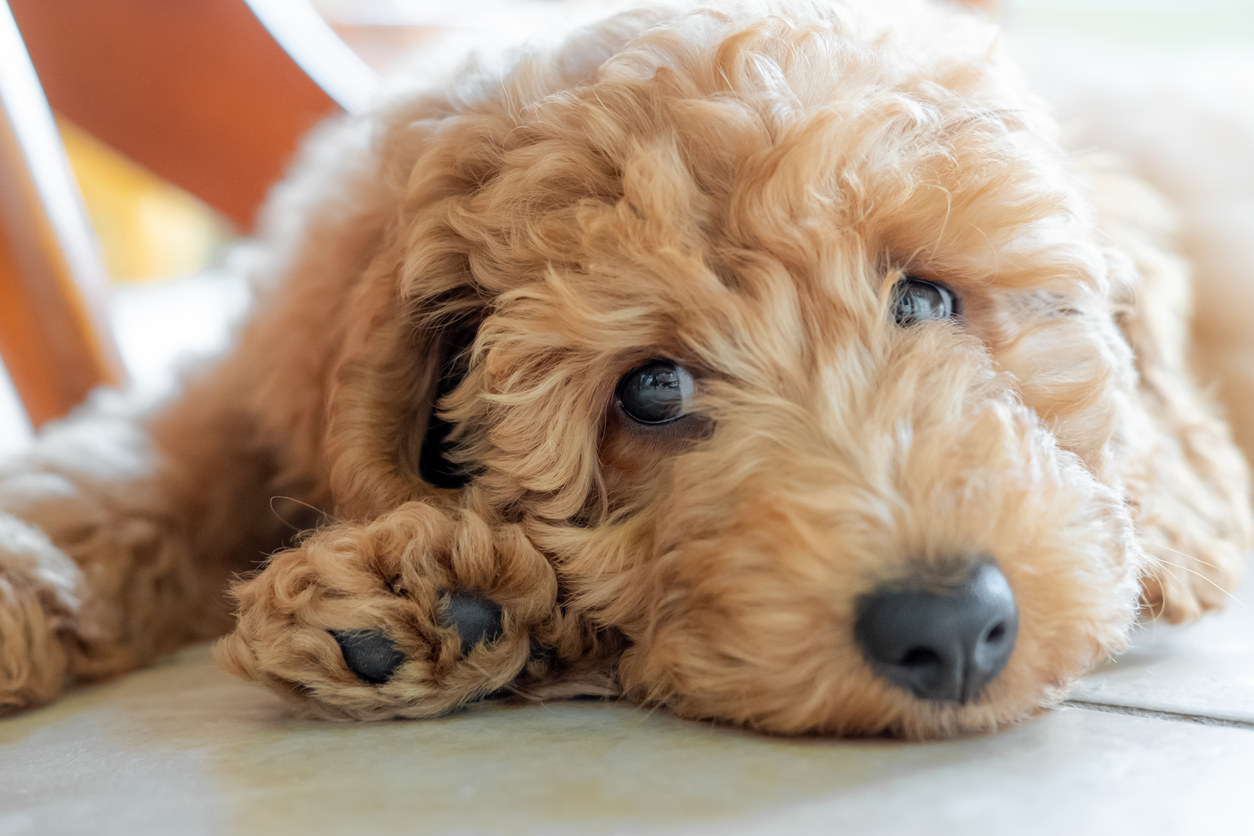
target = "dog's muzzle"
x: 943, y: 644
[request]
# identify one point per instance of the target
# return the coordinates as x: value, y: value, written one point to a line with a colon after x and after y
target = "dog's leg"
x: 118, y: 533
x: 414, y: 614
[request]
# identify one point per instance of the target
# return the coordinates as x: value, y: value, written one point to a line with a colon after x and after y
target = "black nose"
x: 943, y: 644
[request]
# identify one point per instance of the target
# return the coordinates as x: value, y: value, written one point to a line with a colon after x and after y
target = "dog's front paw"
x: 412, y: 615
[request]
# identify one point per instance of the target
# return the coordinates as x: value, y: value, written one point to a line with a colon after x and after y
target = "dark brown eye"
x: 918, y: 300
x: 658, y: 392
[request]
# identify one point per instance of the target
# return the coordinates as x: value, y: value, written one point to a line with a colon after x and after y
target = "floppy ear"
x: 1186, y: 482
x: 386, y: 440
x: 349, y: 362
x: 405, y: 330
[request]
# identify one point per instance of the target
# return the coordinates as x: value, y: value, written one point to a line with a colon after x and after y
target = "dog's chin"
x: 840, y: 695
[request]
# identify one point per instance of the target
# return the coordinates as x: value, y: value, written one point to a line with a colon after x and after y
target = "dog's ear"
x: 399, y: 354
x: 1109, y: 374
x: 386, y: 441
x: 1186, y: 482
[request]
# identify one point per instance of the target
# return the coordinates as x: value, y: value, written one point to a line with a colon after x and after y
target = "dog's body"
x: 756, y: 339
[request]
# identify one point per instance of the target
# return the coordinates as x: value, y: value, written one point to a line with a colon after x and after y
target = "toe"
x: 475, y: 618
x: 369, y: 654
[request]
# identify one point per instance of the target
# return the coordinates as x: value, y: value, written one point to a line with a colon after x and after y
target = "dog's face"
x: 793, y: 353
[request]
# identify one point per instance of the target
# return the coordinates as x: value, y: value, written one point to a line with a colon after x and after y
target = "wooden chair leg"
x: 200, y: 92
x: 53, y: 336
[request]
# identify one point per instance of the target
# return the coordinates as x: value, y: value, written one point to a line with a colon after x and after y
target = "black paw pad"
x: 369, y: 654
x: 475, y: 618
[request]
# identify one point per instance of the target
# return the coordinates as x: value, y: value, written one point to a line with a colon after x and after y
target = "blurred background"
x: 163, y: 250
x: 150, y: 231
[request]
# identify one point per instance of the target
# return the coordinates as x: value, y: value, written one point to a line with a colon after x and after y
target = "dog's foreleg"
x: 118, y: 532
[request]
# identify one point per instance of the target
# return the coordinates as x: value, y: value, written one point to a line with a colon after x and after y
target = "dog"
x: 773, y: 365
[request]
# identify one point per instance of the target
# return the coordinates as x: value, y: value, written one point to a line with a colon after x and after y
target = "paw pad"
x: 369, y: 654
x: 475, y: 618
x: 373, y: 657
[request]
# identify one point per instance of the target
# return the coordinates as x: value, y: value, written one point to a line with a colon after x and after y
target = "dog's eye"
x: 917, y: 300
x: 658, y: 392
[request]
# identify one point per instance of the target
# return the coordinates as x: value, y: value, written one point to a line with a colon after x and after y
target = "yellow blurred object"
x: 147, y: 228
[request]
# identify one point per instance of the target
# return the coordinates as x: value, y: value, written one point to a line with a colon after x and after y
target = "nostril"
x: 920, y: 657
x: 995, y: 633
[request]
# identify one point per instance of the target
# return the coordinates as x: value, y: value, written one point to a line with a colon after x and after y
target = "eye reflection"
x: 658, y: 392
x: 918, y: 300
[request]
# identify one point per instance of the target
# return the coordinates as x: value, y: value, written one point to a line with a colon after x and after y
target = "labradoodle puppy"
x: 770, y: 366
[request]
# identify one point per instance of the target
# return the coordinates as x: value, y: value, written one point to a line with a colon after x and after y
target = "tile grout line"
x: 1157, y: 714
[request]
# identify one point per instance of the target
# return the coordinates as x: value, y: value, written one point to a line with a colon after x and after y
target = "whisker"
x: 1181, y: 565
x: 1189, y: 557
x: 323, y: 515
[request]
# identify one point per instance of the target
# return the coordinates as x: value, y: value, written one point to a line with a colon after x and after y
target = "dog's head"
x: 788, y: 339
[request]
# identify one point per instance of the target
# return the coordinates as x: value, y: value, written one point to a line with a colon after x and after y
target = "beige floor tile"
x: 185, y: 749
x: 1205, y: 669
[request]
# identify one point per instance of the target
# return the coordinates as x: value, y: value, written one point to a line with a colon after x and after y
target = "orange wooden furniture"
x: 52, y: 333
x: 212, y: 95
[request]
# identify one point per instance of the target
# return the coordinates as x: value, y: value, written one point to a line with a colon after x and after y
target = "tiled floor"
x: 1162, y: 742
x: 1204, y: 672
